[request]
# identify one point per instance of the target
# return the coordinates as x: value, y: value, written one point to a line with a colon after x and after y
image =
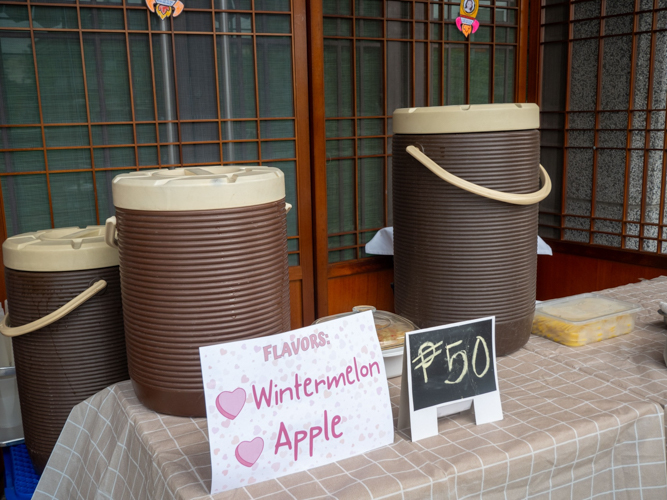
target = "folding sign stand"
x: 445, y: 370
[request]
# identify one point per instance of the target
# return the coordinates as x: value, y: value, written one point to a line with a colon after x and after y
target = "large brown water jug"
x: 65, y: 317
x: 203, y: 260
x: 465, y: 194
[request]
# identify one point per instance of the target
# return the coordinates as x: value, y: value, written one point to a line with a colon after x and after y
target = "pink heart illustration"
x: 247, y: 452
x: 230, y: 404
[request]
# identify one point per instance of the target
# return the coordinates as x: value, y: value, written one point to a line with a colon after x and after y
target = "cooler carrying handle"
x: 514, y: 199
x: 59, y: 313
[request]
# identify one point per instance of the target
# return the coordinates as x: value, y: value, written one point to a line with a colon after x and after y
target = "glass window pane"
x: 199, y: 132
x: 69, y: 159
x: 54, y: 17
x: 340, y: 196
x: 14, y: 16
x: 239, y: 151
x: 107, y: 77
x: 274, y: 78
x: 370, y: 179
x: 201, y: 153
x: 233, y: 131
x: 369, y: 28
x: 276, y: 5
x: 454, y: 67
x: 480, y: 74
x: 339, y: 128
x: 503, y: 90
x: 112, y: 134
x: 146, y: 133
x: 277, y: 129
x: 193, y: 21
x: 399, y: 10
x: 373, y: 146
x: 60, y: 77
x: 272, y: 23
x: 147, y: 156
x: 232, y: 4
x: 73, y: 199
x: 113, y: 157
x: 195, y: 68
x: 21, y: 161
x: 18, y: 90
x: 20, y: 137
x: 233, y: 22
x: 66, y: 136
x: 370, y: 73
x: 26, y: 201
x: 136, y: 20
x: 368, y: 8
x: 616, y: 73
x: 337, y: 27
x: 336, y: 149
x: 436, y: 76
x: 170, y: 155
x: 337, y: 7
x: 274, y: 150
x: 372, y: 126
x: 105, y: 19
x: 236, y: 76
x: 583, y: 82
x: 142, y: 77
x: 421, y: 56
x: 399, y: 29
x: 338, y: 78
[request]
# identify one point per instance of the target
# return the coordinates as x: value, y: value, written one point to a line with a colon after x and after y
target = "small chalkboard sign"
x: 445, y: 369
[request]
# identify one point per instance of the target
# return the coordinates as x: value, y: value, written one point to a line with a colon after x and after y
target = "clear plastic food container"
x: 391, y: 329
x: 582, y: 319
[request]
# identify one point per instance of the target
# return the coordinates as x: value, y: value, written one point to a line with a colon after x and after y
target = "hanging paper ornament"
x: 466, y: 22
x: 165, y: 8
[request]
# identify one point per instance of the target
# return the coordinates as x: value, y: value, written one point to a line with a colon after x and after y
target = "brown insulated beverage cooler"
x: 66, y: 320
x: 203, y: 260
x: 466, y: 184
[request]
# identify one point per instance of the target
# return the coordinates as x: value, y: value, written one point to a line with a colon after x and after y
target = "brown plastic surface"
x: 68, y: 361
x: 197, y: 278
x: 459, y: 256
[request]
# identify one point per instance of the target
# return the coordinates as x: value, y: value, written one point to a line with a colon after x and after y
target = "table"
x: 579, y: 423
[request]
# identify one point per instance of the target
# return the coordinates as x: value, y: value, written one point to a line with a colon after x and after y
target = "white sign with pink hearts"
x: 285, y: 403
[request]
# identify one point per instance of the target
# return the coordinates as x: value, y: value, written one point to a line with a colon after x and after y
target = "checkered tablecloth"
x: 584, y: 422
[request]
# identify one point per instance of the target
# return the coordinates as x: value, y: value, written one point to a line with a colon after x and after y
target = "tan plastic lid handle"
x: 59, y: 313
x: 514, y: 199
x: 110, y: 233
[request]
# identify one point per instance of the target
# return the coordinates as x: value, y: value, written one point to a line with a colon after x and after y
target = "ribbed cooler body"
x: 196, y: 278
x: 459, y: 256
x: 62, y: 364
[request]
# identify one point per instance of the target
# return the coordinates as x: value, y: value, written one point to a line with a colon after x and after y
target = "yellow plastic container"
x: 583, y: 319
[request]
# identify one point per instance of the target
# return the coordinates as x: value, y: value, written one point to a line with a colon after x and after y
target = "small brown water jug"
x: 65, y: 317
x: 203, y: 260
x: 465, y: 194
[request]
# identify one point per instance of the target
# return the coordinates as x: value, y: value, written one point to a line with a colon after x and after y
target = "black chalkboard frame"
x: 420, y: 410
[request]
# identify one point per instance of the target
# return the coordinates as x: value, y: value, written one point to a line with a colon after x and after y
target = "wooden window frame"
x: 301, y: 276
x: 525, y: 86
x: 638, y: 257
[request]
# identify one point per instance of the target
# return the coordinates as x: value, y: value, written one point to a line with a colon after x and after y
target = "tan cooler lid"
x: 62, y: 249
x: 198, y: 188
x: 466, y: 118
